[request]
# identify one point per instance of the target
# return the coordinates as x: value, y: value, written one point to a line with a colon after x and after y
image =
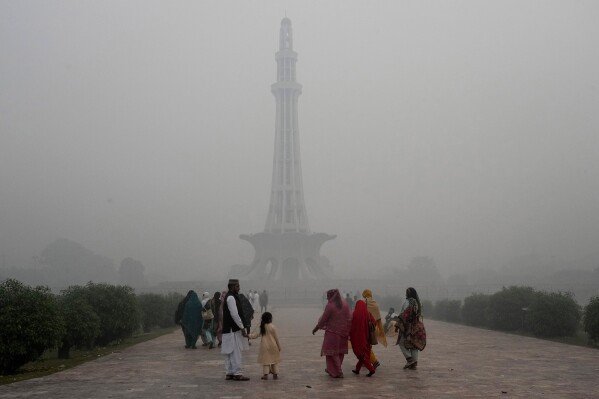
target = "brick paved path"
x: 458, y: 362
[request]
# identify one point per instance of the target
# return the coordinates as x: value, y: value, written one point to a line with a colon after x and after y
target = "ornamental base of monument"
x: 288, y: 256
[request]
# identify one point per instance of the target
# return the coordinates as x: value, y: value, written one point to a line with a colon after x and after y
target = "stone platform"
x: 459, y: 362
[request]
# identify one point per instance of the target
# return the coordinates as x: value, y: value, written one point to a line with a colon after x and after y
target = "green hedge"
x: 475, y: 310
x: 30, y: 321
x: 448, y: 310
x: 591, y: 319
x: 158, y: 310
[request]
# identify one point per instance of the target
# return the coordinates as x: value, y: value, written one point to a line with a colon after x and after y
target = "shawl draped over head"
x: 375, y: 311
x: 358, y: 333
x: 192, y: 316
x: 336, y: 317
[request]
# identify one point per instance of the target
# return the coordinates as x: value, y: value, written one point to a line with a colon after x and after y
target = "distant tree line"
x: 34, y: 320
x: 516, y: 309
x: 521, y: 309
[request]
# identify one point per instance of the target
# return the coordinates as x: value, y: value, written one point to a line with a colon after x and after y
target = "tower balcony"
x: 277, y: 87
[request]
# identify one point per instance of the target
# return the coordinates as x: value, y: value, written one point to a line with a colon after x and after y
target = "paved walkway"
x: 459, y: 362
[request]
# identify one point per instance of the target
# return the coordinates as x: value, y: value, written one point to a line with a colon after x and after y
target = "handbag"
x: 372, y: 340
x: 207, y: 314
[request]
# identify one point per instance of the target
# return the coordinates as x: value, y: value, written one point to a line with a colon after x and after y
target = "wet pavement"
x: 458, y: 362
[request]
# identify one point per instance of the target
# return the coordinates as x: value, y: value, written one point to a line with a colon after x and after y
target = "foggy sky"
x: 466, y: 130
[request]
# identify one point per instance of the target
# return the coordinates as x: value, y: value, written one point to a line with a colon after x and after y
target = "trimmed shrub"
x: 448, y: 310
x: 427, y: 308
x: 475, y: 310
x: 554, y: 314
x: 158, y: 310
x: 116, y: 306
x: 30, y: 323
x: 506, y: 308
x: 591, y: 319
x: 81, y: 322
x: 153, y: 310
x: 172, y: 302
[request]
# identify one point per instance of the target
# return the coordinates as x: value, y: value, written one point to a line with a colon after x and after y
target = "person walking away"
x: 263, y: 301
x: 216, y: 311
x: 179, y: 313
x: 361, y: 323
x: 270, y: 348
x: 248, y: 313
x: 233, y: 333
x: 389, y: 318
x: 219, y: 327
x: 208, y: 317
x: 192, y: 320
x: 410, y: 314
x: 335, y: 321
x: 375, y: 311
x: 255, y: 300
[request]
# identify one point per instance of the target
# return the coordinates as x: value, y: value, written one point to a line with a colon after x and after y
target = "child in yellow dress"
x: 270, y: 349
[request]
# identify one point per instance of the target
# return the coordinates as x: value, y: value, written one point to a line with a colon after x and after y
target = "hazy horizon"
x: 465, y: 131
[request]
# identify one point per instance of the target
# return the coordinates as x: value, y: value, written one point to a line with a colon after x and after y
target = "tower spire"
x: 287, y: 211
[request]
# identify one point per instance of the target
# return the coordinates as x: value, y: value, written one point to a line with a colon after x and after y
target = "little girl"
x: 269, y: 355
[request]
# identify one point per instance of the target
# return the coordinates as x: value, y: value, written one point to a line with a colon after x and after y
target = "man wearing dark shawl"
x: 335, y: 320
x: 192, y: 320
x: 358, y: 335
x: 234, y: 336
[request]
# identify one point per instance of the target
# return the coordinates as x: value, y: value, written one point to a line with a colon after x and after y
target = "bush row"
x: 34, y: 320
x: 544, y: 314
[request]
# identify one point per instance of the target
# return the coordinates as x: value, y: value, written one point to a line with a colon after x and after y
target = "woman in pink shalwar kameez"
x: 336, y: 321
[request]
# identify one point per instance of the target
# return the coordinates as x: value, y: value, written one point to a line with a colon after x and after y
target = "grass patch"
x: 50, y: 363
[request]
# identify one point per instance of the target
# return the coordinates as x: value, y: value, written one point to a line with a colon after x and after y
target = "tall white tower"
x: 287, y: 211
x: 287, y: 250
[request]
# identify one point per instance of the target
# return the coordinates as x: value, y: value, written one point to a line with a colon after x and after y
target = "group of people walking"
x: 224, y: 319
x: 364, y: 328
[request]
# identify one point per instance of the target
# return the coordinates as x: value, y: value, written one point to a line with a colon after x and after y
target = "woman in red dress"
x: 358, y: 335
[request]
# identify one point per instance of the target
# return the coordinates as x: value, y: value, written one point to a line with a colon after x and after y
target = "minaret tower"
x: 287, y: 250
x: 287, y: 211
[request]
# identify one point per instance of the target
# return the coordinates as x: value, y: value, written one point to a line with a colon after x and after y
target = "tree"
x: 591, y: 319
x: 81, y: 322
x: 507, y: 308
x: 475, y: 309
x: 153, y: 309
x: 554, y: 314
x: 71, y: 263
x: 30, y: 323
x: 116, y: 306
x: 448, y: 310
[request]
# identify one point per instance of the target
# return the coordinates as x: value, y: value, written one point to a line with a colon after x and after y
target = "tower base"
x: 288, y: 256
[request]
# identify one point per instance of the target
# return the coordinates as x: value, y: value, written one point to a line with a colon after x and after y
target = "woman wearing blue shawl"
x: 192, y: 320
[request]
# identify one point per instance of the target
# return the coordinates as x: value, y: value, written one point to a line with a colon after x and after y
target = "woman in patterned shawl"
x: 374, y: 310
x: 411, y: 312
x: 192, y: 320
x: 335, y: 320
